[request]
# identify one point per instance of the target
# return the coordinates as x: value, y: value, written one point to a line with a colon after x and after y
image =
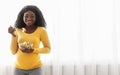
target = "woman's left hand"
x: 27, y: 50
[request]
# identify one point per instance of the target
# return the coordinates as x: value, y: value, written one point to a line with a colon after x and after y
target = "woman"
x: 27, y: 34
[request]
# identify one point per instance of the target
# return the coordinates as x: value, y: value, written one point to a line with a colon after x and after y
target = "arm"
x: 14, y: 45
x: 46, y: 43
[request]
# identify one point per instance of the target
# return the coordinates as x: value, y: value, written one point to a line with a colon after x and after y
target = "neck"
x: 30, y: 27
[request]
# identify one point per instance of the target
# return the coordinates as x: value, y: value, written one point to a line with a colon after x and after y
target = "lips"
x: 29, y: 22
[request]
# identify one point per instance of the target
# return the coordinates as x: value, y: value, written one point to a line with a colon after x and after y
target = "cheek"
x: 34, y: 20
x: 24, y: 19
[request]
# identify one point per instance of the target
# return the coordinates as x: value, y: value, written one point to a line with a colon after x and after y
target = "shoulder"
x: 18, y: 29
x: 41, y: 29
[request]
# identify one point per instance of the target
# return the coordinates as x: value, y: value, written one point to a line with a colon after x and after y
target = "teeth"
x: 29, y: 22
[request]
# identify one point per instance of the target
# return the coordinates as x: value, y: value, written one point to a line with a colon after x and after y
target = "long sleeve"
x: 45, y: 41
x: 14, y: 45
x: 36, y: 38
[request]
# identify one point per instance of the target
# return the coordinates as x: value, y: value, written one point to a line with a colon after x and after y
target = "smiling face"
x: 29, y: 18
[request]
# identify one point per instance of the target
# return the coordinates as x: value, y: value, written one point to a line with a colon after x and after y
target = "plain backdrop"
x: 79, y: 30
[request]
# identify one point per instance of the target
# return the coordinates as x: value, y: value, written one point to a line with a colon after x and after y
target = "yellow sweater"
x: 32, y: 60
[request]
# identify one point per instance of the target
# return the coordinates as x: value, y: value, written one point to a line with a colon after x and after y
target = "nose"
x: 29, y: 18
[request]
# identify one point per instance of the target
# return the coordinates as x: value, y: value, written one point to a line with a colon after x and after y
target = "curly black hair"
x: 40, y: 21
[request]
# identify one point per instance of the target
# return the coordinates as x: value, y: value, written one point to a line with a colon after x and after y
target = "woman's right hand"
x: 11, y: 30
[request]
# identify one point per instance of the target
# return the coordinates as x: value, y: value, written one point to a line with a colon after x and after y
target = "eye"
x: 32, y: 16
x: 26, y: 16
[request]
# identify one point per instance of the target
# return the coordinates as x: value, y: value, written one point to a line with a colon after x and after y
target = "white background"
x: 79, y: 30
